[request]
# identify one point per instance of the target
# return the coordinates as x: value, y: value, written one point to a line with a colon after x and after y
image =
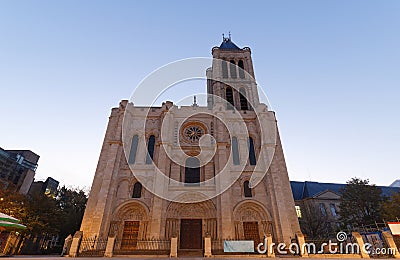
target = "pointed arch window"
x: 252, y: 153
x: 132, y: 153
x: 233, y: 69
x: 137, y: 190
x: 229, y: 98
x: 247, y: 189
x: 241, y: 69
x: 150, y: 149
x: 192, y: 171
x: 224, y: 69
x: 235, y: 151
x: 243, y: 100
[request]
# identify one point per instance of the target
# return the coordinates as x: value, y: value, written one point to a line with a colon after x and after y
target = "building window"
x: 192, y: 171
x: 229, y: 97
x: 132, y: 153
x: 252, y: 153
x: 247, y: 190
x: 224, y: 69
x: 298, y: 211
x: 150, y: 149
x: 235, y: 151
x: 322, y: 208
x: 243, y: 100
x: 137, y: 190
x: 333, y: 209
x: 241, y: 69
x: 233, y: 69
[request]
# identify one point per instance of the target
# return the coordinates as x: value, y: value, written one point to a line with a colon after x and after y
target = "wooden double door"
x: 191, y: 237
x: 130, y: 235
x: 251, y: 232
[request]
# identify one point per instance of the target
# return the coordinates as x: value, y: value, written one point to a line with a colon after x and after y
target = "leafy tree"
x: 12, y: 203
x: 72, y: 203
x: 46, y: 215
x: 313, y: 223
x: 360, y: 203
x: 43, y: 215
x: 391, y: 207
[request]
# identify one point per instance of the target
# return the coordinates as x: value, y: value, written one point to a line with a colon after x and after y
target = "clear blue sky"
x: 331, y: 70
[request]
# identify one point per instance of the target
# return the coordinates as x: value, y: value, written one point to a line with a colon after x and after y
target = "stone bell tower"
x: 233, y: 66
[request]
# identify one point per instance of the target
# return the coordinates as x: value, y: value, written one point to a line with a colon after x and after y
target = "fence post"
x: 390, y: 242
x: 109, y: 247
x: 360, y: 243
x: 174, y: 247
x: 270, y: 249
x: 9, y: 248
x: 67, y: 245
x: 301, y: 241
x: 76, y: 241
x: 207, y: 247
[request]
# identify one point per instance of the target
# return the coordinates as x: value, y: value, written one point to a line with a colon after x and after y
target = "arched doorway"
x: 252, y: 222
x: 129, y: 225
x: 191, y: 222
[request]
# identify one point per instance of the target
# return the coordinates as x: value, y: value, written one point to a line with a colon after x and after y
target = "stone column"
x: 67, y: 245
x: 390, y: 242
x: 110, y: 247
x: 174, y: 247
x: 76, y: 241
x: 157, y: 219
x: 301, y: 241
x: 270, y: 248
x: 361, y: 244
x: 207, y: 247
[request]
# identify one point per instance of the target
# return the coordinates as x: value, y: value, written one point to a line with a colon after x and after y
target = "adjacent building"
x: 322, y: 202
x: 17, y: 169
x: 396, y: 183
x: 48, y: 187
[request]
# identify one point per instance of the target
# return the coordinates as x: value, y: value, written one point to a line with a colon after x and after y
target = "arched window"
x: 243, y: 101
x: 132, y: 153
x: 229, y: 97
x: 235, y: 151
x: 247, y: 190
x: 252, y: 153
x: 241, y: 70
x: 192, y: 171
x: 224, y: 69
x: 150, y: 149
x: 233, y: 68
x: 137, y: 190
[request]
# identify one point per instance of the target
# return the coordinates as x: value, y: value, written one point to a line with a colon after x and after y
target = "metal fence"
x: 92, y: 247
x: 327, y: 246
x: 142, y: 247
x: 397, y: 240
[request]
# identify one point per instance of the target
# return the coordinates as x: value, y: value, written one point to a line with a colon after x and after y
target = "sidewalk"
x: 162, y: 258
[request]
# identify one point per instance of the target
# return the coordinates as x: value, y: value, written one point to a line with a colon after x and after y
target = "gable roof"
x: 396, y: 183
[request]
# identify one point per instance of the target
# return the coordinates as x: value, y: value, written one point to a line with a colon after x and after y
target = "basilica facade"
x: 130, y: 201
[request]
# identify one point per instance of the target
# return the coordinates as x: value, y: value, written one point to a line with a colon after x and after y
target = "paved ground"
x: 151, y: 258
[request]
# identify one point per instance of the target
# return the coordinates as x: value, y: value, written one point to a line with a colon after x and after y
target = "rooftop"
x: 228, y: 44
x: 396, y: 183
x: 309, y: 189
